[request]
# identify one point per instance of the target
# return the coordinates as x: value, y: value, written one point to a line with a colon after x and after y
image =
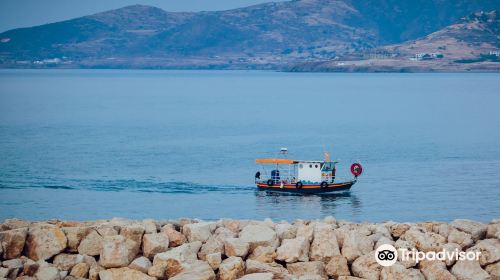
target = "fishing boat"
x: 302, y: 176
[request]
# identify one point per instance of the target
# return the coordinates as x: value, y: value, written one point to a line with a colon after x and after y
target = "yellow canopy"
x: 274, y: 160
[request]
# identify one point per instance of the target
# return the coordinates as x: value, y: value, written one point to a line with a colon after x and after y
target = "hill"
x: 265, y: 36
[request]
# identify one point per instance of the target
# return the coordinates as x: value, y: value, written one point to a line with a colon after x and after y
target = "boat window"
x: 301, y: 165
x: 310, y: 166
x: 316, y: 166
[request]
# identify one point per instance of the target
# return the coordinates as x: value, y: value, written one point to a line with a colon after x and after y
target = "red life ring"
x: 356, y: 169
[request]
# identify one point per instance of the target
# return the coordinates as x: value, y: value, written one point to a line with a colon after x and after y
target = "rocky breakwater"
x: 185, y: 249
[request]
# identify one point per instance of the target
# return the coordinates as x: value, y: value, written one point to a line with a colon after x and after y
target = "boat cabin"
x: 288, y: 171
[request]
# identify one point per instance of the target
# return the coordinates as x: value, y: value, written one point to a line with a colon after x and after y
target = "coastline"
x: 241, y: 249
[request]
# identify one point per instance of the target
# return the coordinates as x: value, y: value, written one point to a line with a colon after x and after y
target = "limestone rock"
x: 399, y: 272
x: 214, y: 260
x: 75, y: 236
x: 115, y: 252
x: 141, y: 264
x: 257, y: 276
x: 293, y: 250
x: 493, y: 270
x: 490, y: 251
x: 44, y: 241
x: 423, y: 240
x: 133, y: 235
x: 154, y: 243
x: 157, y: 271
x: 149, y: 226
x: 476, y: 229
x: 469, y: 270
x: 337, y: 266
x: 307, y: 268
x: 235, y: 247
x: 94, y: 272
x: 123, y: 273
x: 264, y: 254
x: 366, y: 267
x: 12, y: 242
x: 324, y: 245
x: 493, y: 231
x: 451, y: 247
x: 47, y: 273
x: 257, y: 235
x: 277, y: 270
x: 4, y: 272
x: 197, y: 270
x: 91, y: 244
x: 80, y: 270
x: 397, y: 230
x: 199, y: 231
x: 286, y: 231
x: 231, y: 268
x: 30, y: 267
x: 66, y: 261
x: 461, y: 238
x: 435, y: 270
x: 355, y: 245
x: 306, y: 231
x: 403, y: 244
x: 175, y: 238
x: 175, y: 260
x: 9, y: 224
x: 215, y: 244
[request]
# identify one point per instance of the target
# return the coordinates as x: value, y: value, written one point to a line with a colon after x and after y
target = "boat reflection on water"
x: 290, y: 206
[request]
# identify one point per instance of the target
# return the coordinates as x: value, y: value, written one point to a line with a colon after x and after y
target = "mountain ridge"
x: 270, y: 35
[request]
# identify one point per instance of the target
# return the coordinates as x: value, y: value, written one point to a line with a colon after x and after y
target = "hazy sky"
x: 24, y: 13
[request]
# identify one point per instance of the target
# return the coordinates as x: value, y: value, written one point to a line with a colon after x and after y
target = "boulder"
x: 214, y: 260
x: 451, y: 247
x: 307, y: 268
x: 75, y: 235
x: 435, y: 270
x: 293, y: 250
x: 355, y: 245
x: 107, y: 229
x: 154, y: 243
x: 215, y: 244
x: 400, y: 272
x: 286, y: 231
x: 44, y: 241
x: 397, y: 230
x: 305, y: 231
x: 157, y: 271
x: 115, y: 252
x: 264, y: 254
x: 80, y: 270
x: 48, y: 273
x: 66, y: 261
x: 197, y: 270
x: 477, y: 230
x: 490, y: 251
x: 176, y: 260
x: 199, y: 231
x: 91, y: 244
x: 9, y: 224
x: 235, y: 247
x: 383, y: 240
x: 493, y: 270
x: 423, y: 240
x: 133, y: 234
x: 13, y: 264
x: 277, y: 270
x: 123, y: 273
x: 141, y: 264
x: 403, y: 244
x: 337, y: 266
x: 94, y: 272
x: 324, y: 245
x: 493, y: 231
x: 257, y: 235
x: 366, y: 267
x: 461, y: 238
x: 231, y: 268
x: 30, y: 267
x: 4, y: 272
x: 257, y: 276
x: 469, y: 270
x: 175, y: 238
x: 149, y: 226
x: 12, y: 242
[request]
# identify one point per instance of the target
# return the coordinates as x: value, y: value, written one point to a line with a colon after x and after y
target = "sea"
x: 98, y: 144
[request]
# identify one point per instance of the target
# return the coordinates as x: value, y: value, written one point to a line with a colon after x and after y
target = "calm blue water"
x: 88, y: 144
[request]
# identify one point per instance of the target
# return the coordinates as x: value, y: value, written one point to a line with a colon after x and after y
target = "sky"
x: 26, y: 13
